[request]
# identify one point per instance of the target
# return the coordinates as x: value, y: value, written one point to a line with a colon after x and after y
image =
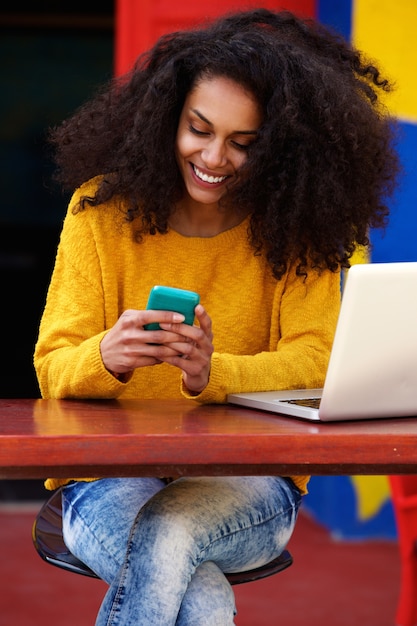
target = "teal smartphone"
x: 172, y: 299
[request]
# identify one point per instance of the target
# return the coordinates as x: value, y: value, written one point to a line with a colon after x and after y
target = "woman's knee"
x: 97, y: 534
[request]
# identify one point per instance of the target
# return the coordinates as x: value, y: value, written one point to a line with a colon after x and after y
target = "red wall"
x: 139, y: 23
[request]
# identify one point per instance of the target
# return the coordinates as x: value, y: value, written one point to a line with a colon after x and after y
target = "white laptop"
x: 372, y: 371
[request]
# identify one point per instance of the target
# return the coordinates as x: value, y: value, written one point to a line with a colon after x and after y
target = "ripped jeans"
x: 163, y: 548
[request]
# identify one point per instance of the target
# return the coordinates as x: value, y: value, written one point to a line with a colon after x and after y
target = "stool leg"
x: 407, y: 604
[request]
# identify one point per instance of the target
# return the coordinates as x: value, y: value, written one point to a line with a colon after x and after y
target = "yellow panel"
x: 361, y: 255
x: 372, y: 492
x: 386, y: 31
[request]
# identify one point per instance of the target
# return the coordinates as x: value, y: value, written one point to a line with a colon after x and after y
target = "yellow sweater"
x: 268, y: 334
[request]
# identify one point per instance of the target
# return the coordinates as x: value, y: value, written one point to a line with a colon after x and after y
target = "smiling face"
x: 218, y: 123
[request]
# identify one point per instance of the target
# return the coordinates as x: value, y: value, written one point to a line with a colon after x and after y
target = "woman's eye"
x: 241, y: 146
x: 195, y: 130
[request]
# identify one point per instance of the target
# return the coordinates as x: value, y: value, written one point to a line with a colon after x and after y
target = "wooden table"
x: 65, y: 438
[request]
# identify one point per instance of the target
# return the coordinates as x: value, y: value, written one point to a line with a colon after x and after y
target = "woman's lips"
x: 207, y: 178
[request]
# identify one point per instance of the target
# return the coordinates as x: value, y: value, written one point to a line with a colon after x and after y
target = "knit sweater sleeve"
x: 306, y: 316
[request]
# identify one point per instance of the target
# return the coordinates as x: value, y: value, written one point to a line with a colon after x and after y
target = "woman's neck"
x: 205, y: 221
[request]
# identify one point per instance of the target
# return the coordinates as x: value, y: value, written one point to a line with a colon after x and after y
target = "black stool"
x: 49, y: 543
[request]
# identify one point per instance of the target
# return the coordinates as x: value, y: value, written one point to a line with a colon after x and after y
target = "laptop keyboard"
x: 312, y: 403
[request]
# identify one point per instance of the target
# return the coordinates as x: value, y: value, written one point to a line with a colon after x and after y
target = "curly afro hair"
x: 318, y: 175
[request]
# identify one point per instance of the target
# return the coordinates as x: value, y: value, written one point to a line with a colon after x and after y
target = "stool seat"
x: 49, y: 543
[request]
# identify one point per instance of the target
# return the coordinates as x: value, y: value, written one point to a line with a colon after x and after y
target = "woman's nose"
x: 214, y: 155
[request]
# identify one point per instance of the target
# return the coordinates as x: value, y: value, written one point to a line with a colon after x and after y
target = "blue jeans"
x: 163, y: 548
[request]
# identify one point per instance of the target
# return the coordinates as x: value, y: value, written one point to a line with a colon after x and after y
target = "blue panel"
x: 337, y: 14
x: 399, y: 242
x: 331, y: 501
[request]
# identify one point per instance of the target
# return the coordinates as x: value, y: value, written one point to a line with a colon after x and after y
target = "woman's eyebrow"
x: 201, y: 116
x: 235, y: 132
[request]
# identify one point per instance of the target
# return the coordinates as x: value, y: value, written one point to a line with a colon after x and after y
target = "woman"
x: 244, y: 161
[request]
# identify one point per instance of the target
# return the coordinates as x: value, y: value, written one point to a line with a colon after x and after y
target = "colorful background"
x: 54, y: 56
x: 360, y: 506
x: 355, y: 507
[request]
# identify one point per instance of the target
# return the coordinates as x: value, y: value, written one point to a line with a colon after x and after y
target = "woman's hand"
x: 128, y: 345
x: 193, y: 352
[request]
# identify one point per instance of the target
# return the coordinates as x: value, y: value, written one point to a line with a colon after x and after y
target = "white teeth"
x: 208, y: 179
